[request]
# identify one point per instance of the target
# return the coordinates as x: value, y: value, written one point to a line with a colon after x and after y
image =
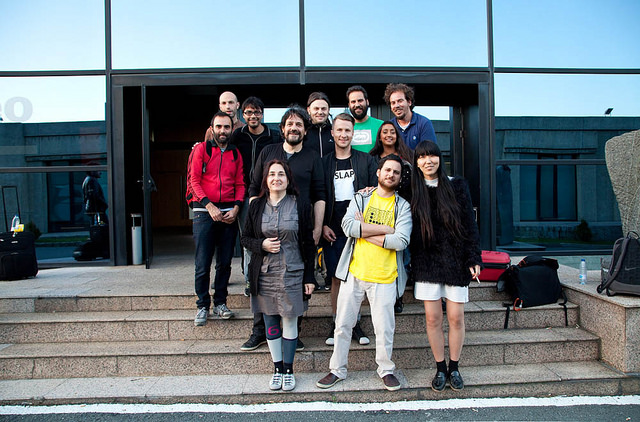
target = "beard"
x: 359, y: 113
x: 293, y: 140
x: 222, y: 139
x: 388, y: 184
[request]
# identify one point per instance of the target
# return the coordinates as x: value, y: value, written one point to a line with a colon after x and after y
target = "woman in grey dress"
x: 279, y: 235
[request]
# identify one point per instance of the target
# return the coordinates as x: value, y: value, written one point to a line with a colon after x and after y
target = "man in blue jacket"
x: 413, y: 127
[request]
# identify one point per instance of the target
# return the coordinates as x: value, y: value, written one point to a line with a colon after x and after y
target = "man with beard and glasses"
x: 378, y: 226
x: 366, y: 127
x: 307, y: 174
x: 413, y: 127
x: 216, y: 183
x: 250, y: 140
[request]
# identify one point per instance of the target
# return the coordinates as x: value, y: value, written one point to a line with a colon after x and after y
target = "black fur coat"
x: 446, y: 260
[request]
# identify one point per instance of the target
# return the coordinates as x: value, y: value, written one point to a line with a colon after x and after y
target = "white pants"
x: 381, y: 298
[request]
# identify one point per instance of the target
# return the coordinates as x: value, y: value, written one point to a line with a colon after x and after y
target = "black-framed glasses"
x: 252, y: 113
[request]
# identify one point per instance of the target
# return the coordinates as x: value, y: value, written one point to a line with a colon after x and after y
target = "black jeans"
x: 211, y: 237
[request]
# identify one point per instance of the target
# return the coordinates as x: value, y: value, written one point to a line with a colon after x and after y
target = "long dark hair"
x: 447, y: 206
x: 401, y: 148
x: 291, y: 186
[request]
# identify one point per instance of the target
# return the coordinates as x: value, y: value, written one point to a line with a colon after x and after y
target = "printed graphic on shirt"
x: 379, y: 216
x: 362, y: 137
x: 343, y: 184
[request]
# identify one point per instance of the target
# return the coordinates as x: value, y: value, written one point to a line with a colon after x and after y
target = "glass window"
x: 52, y: 99
x: 566, y: 95
x: 52, y: 35
x: 556, y: 207
x: 569, y: 33
x: 383, y: 33
x: 548, y: 193
x: 202, y: 33
x: 65, y: 228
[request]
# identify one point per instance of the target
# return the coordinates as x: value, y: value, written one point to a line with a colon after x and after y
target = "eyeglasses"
x: 252, y: 113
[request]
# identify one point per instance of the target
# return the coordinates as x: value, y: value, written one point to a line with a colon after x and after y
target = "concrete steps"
x: 127, y: 302
x: 158, y: 325
x: 524, y: 380
x: 135, y: 347
x: 196, y: 357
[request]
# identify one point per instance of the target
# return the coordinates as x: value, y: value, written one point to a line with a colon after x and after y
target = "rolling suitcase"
x: 17, y: 256
x: 495, y: 263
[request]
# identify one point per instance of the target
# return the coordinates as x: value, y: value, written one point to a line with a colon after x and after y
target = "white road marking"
x: 323, y: 406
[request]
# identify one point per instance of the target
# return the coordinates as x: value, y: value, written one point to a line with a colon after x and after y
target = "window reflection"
x: 203, y: 33
x: 411, y: 33
x: 52, y: 35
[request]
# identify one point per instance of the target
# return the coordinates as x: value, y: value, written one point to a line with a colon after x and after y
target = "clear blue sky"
x: 69, y: 34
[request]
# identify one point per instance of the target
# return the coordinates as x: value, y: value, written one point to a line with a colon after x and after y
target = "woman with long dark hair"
x: 279, y: 235
x: 388, y: 141
x: 445, y: 255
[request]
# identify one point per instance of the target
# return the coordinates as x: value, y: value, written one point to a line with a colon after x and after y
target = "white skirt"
x: 434, y: 291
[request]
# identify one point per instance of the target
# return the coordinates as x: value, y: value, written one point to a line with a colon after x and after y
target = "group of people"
x: 373, y: 194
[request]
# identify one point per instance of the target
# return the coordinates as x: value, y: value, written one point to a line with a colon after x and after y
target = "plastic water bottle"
x: 583, y: 271
x: 15, y: 223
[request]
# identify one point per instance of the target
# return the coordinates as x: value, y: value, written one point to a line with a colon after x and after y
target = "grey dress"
x: 281, y: 274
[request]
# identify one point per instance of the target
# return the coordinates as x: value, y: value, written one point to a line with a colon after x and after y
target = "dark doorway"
x: 178, y: 116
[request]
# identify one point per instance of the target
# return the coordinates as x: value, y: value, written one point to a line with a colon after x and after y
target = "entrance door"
x: 148, y: 185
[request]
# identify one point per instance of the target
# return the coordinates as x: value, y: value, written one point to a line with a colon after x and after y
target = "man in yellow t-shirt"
x: 378, y: 226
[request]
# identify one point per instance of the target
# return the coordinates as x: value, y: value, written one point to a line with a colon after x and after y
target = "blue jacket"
x: 420, y: 129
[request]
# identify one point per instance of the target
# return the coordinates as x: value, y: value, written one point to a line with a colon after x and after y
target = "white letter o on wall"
x: 10, y: 109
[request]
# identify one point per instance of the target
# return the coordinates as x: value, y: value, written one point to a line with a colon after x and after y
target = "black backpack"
x: 533, y: 282
x: 624, y: 270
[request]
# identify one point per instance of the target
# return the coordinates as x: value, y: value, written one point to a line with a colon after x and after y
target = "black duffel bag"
x: 533, y: 282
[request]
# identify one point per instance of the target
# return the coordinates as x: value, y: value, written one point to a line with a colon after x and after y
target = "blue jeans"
x: 332, y: 252
x: 211, y: 237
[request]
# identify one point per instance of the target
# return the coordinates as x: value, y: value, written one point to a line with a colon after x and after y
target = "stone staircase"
x: 140, y: 348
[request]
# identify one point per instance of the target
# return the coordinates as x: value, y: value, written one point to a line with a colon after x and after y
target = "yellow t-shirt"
x: 371, y: 262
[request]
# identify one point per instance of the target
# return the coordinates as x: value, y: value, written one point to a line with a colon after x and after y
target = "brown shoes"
x: 391, y: 383
x: 328, y: 381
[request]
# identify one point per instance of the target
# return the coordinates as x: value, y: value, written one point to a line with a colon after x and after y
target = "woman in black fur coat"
x: 445, y: 255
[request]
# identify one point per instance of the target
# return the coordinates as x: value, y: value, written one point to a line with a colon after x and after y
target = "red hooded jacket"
x: 215, y: 176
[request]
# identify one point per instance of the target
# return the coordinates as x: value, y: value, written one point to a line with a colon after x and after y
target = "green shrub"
x: 31, y: 227
x: 583, y: 232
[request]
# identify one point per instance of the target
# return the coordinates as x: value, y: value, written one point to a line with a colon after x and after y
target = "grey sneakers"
x: 222, y: 311
x: 276, y: 381
x: 288, y: 381
x: 201, y: 317
x: 203, y: 313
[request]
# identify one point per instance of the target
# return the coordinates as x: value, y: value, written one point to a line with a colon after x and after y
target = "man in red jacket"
x: 216, y: 180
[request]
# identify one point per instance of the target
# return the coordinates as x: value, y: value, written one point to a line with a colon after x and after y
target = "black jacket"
x: 446, y: 260
x: 364, y: 168
x: 306, y: 169
x: 319, y: 139
x: 250, y: 149
x: 252, y: 238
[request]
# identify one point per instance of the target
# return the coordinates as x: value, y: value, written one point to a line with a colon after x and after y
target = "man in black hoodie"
x: 250, y: 140
x: 346, y: 171
x: 319, y: 135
